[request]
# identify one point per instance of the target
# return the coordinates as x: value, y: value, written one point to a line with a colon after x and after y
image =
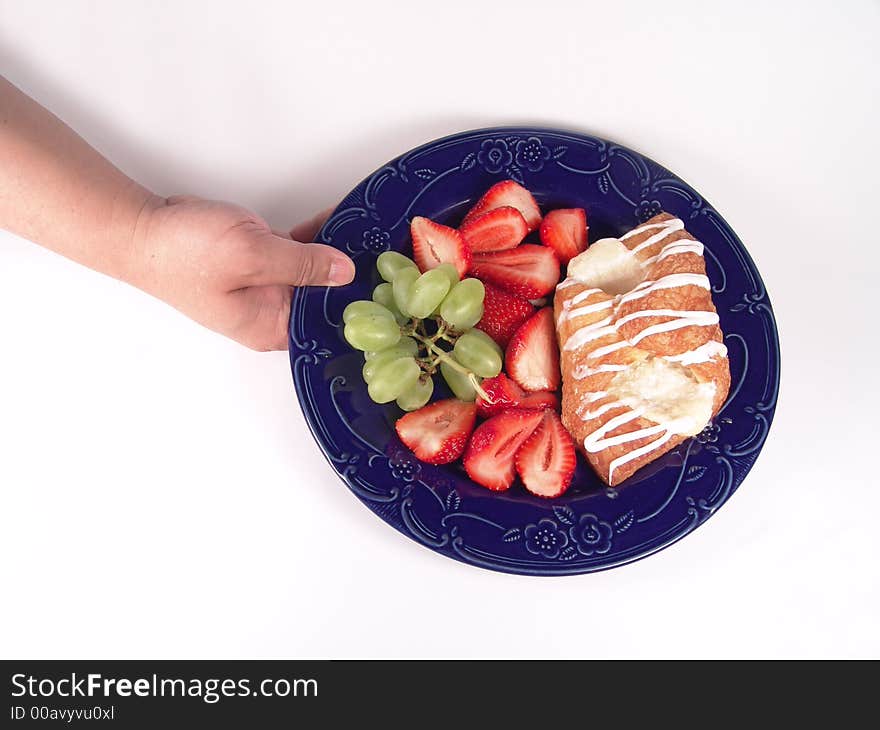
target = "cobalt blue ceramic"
x: 591, y: 527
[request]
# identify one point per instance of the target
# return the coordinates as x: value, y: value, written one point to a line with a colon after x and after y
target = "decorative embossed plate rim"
x: 591, y: 527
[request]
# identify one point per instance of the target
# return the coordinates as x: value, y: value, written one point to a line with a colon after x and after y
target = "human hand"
x: 224, y: 267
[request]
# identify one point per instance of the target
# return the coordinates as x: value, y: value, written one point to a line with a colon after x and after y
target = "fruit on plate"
x: 508, y: 193
x: 437, y: 433
x: 496, y: 230
x: 546, y: 461
x: 528, y: 270
x: 503, y: 393
x: 435, y: 244
x: 565, y: 231
x: 490, y: 455
x: 532, y: 357
x: 503, y: 313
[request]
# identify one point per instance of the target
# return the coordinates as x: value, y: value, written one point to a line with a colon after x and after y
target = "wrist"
x: 131, y: 219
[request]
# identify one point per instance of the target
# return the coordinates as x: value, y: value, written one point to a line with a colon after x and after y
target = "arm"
x: 217, y: 263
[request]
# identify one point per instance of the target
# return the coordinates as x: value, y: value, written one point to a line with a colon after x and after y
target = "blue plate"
x: 591, y: 527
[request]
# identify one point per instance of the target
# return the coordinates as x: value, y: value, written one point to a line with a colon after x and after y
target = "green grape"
x: 406, y: 345
x: 365, y: 308
x: 390, y: 262
x: 451, y: 273
x: 418, y: 395
x: 488, y: 340
x: 371, y: 332
x: 393, y: 379
x: 384, y: 295
x: 477, y: 355
x: 382, y: 358
x: 403, y: 281
x: 463, y: 306
x: 427, y: 292
x: 458, y: 382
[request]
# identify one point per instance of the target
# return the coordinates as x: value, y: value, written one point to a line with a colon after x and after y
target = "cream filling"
x: 666, y: 393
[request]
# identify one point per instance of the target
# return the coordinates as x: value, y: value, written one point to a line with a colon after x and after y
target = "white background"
x: 161, y: 494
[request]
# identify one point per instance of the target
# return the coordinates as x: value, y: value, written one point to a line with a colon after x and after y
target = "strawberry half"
x: 434, y: 244
x: 508, y: 193
x: 528, y: 270
x: 490, y: 456
x: 546, y: 460
x: 497, y: 230
x: 532, y: 357
x: 565, y: 231
x: 437, y: 433
x: 507, y: 394
x: 503, y: 313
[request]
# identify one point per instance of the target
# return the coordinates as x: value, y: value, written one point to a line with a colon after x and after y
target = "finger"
x: 282, y: 261
x: 307, y: 230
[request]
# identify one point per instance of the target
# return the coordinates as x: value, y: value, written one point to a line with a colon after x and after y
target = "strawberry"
x: 546, y: 460
x: 503, y: 313
x: 496, y: 230
x: 507, y: 394
x: 434, y: 244
x: 490, y: 456
x: 437, y: 433
x: 565, y: 231
x: 532, y: 357
x: 508, y: 192
x: 528, y: 270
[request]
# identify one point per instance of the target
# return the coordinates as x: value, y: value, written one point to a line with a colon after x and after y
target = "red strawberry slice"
x: 509, y: 193
x: 507, y: 394
x: 434, y: 244
x: 532, y: 357
x: 437, y: 433
x: 528, y: 270
x: 490, y: 456
x: 499, y: 229
x: 546, y: 460
x: 565, y: 231
x: 503, y: 313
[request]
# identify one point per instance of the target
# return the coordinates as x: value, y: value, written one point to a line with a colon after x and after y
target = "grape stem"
x: 444, y: 357
x: 416, y: 330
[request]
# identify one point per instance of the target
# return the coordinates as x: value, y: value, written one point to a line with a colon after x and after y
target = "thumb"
x: 282, y: 261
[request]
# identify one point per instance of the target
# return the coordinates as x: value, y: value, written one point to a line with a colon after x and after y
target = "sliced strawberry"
x: 437, y: 433
x: 490, y: 456
x: 503, y: 313
x: 508, y: 192
x: 507, y: 394
x: 434, y: 244
x: 565, y: 231
x: 546, y: 460
x: 532, y: 357
x: 528, y: 270
x: 499, y: 229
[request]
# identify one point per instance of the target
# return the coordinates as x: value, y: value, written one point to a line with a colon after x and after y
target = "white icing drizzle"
x: 578, y: 298
x: 636, y: 453
x: 697, y: 318
x: 676, y: 247
x: 590, y: 332
x: 590, y: 308
x: 585, y: 371
x: 606, y: 349
x: 567, y: 283
x: 703, y: 353
x: 670, y: 281
x: 667, y: 229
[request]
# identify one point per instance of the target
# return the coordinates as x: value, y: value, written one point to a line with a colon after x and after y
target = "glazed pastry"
x: 643, y: 362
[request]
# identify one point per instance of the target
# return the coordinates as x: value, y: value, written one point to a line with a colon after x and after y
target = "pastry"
x: 643, y: 362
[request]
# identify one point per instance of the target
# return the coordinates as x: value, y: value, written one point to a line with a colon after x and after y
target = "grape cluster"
x: 419, y: 323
